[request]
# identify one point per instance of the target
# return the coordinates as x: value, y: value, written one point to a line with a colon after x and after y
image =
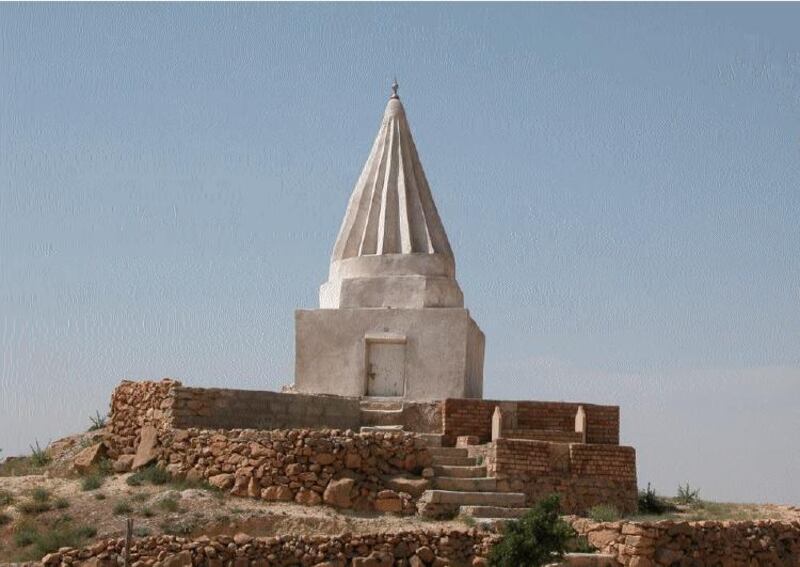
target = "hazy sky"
x: 620, y: 184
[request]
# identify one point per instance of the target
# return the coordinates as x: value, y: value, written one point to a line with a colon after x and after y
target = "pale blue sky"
x: 620, y: 184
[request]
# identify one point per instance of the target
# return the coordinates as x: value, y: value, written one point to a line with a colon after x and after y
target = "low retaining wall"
x: 418, y: 548
x: 346, y: 470
x: 168, y: 404
x: 474, y: 417
x: 584, y: 475
x: 759, y: 543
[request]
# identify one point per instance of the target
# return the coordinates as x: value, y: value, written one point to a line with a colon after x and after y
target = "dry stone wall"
x: 135, y: 405
x: 584, y: 475
x: 411, y: 548
x: 761, y: 543
x: 343, y: 469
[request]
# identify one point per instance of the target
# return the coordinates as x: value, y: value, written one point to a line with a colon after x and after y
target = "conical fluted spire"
x: 391, y: 210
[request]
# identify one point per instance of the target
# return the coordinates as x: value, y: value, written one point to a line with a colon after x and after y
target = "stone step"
x: 492, y: 512
x: 460, y: 472
x: 381, y: 428
x: 502, y: 499
x: 431, y: 440
x: 465, y: 484
x: 381, y: 404
x: 454, y: 461
x: 448, y: 452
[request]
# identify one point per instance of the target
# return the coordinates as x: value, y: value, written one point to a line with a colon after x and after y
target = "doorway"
x: 386, y: 364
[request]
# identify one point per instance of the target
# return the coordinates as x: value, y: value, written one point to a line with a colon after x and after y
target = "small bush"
x: 99, y: 496
x: 98, y: 421
x: 141, y: 531
x: 25, y: 534
x: 152, y: 475
x: 33, y: 507
x: 147, y: 512
x: 604, y: 513
x: 651, y: 503
x: 92, y: 482
x: 6, y: 498
x: 5, y: 519
x: 540, y: 537
x: 61, y: 503
x: 39, y: 457
x: 140, y: 497
x: 168, y: 505
x: 122, y: 508
x: 40, y: 494
x: 178, y: 528
x: 687, y: 495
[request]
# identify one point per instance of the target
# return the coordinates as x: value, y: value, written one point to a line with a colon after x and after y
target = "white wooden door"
x: 386, y: 369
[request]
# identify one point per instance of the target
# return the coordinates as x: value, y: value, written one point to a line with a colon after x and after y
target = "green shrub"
x: 99, y: 496
x: 122, y: 508
x: 39, y: 457
x: 604, y: 513
x: 98, y: 421
x: 33, y: 507
x: 92, y: 482
x: 183, y: 527
x: 4, y: 519
x: 152, y: 475
x: 687, y: 495
x: 147, y: 512
x: 168, y: 505
x: 61, y: 503
x: 538, y: 538
x: 6, y: 498
x: 652, y: 503
x: 40, y: 494
x: 25, y: 534
x: 141, y: 531
x: 140, y: 497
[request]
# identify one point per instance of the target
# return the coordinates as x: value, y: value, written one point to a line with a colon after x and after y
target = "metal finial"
x: 395, y: 86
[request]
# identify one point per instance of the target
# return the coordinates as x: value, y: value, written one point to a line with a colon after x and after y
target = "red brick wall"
x: 584, y: 475
x: 474, y: 417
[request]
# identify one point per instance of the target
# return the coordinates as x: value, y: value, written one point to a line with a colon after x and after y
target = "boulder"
x: 337, y: 493
x: 389, y: 505
x: 222, y: 481
x: 308, y: 497
x: 146, y: 452
x: 89, y: 457
x: 413, y: 486
x: 182, y: 559
x: 123, y: 463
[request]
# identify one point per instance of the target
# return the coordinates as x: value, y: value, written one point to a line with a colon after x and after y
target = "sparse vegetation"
x: 39, y: 457
x: 122, y: 509
x: 687, y: 495
x: 38, y: 541
x: 168, y: 505
x: 99, y: 496
x: 98, y: 421
x: 61, y: 503
x: 147, y: 512
x: 469, y: 521
x: 92, y: 482
x: 182, y: 527
x: 141, y: 531
x: 151, y: 475
x: 604, y: 513
x: 6, y: 498
x: 652, y: 503
x: 538, y: 538
x: 4, y: 519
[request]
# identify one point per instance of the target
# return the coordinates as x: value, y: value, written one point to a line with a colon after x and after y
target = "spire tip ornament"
x: 395, y: 86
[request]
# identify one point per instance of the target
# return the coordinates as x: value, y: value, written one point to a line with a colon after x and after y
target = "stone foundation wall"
x: 421, y: 417
x: 343, y: 469
x: 418, y: 548
x: 758, y: 543
x: 584, y: 475
x: 134, y: 405
x: 474, y: 417
x: 217, y: 408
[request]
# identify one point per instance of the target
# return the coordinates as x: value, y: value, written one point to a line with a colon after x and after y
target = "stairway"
x: 461, y: 487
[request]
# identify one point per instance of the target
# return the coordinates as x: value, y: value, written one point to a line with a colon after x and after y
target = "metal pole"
x: 128, y: 537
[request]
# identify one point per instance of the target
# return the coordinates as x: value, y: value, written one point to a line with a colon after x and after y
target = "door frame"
x: 382, y: 338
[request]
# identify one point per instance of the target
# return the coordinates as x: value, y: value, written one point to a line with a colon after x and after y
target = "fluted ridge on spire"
x: 391, y: 209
